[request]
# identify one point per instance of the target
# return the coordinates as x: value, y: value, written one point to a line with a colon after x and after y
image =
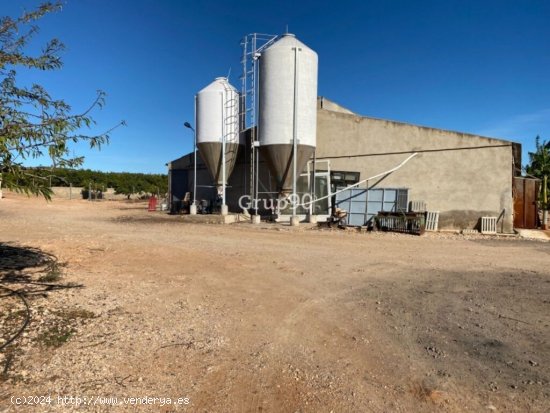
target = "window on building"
x: 343, y: 179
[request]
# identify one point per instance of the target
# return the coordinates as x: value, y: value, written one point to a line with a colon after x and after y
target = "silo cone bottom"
x: 224, y: 210
x: 256, y: 219
x: 193, y: 210
x: 294, y: 221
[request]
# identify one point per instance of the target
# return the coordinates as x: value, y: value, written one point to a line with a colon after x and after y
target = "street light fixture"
x: 193, y: 209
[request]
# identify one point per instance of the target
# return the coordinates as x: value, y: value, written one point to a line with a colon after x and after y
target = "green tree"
x: 539, y: 166
x: 32, y: 123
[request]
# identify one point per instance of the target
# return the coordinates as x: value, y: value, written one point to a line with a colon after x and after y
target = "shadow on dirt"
x: 152, y: 218
x: 26, y: 274
x: 538, y: 245
x: 30, y: 269
x: 485, y: 331
x: 134, y: 208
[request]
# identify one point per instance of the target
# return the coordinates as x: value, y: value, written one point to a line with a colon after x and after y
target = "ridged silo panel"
x: 288, y: 94
x: 218, y: 115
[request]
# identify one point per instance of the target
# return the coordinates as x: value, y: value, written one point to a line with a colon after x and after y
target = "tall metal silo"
x: 217, y: 118
x: 288, y: 107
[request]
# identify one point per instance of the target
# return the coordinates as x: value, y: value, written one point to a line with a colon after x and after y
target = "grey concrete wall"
x: 463, y: 176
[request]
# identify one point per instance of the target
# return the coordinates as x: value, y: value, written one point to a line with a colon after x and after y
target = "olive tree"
x: 539, y: 166
x: 33, y: 124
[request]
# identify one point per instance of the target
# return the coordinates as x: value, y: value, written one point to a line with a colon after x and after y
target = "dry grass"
x: 426, y: 393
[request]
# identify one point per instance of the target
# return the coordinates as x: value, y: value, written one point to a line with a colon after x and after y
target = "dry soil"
x: 126, y: 303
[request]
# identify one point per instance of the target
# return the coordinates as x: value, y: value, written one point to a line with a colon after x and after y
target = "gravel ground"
x: 129, y: 304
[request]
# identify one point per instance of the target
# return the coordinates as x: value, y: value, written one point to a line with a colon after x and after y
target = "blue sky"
x: 481, y: 67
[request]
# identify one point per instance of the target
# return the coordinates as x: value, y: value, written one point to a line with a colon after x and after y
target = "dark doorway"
x: 525, y: 202
x: 179, y: 186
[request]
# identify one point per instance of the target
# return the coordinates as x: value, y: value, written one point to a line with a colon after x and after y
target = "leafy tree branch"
x: 33, y: 124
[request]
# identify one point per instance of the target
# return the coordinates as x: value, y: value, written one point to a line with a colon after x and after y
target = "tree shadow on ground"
x: 30, y: 270
x: 26, y: 273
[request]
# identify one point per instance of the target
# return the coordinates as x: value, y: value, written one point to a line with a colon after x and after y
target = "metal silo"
x: 288, y: 108
x: 217, y: 118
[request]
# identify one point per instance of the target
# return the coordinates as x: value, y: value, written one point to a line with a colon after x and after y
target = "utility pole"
x: 193, y: 206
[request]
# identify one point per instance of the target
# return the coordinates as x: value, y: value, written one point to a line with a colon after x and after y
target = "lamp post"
x: 294, y: 220
x: 193, y: 208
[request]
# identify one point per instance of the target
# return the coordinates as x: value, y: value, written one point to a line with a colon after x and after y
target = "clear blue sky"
x: 478, y: 66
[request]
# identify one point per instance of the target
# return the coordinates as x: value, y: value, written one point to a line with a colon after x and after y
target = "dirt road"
x: 247, y: 319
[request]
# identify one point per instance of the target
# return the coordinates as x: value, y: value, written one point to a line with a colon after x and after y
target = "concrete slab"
x: 534, y: 234
x: 214, y: 218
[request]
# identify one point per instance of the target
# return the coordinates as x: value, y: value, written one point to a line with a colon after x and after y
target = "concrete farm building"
x: 400, y: 167
x: 463, y: 176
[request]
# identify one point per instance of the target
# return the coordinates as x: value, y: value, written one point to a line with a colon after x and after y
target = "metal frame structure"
x: 229, y: 130
x: 312, y: 173
x: 252, y: 45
